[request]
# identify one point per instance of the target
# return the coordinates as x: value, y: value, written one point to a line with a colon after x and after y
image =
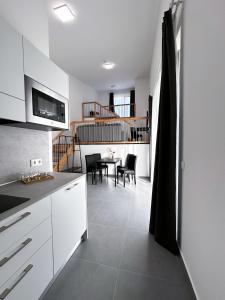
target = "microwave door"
x: 45, y: 107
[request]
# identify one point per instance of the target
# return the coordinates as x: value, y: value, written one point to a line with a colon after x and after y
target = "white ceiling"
x: 121, y: 31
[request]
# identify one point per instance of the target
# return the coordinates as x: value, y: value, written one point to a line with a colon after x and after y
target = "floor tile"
x: 113, y: 213
x: 104, y: 245
x: 143, y: 255
x: 133, y: 286
x: 81, y: 280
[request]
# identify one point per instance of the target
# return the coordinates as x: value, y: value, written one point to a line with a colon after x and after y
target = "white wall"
x: 203, y: 205
x: 202, y: 201
x: 103, y: 98
x: 141, y: 150
x: 79, y: 92
x: 142, y: 90
x: 30, y: 18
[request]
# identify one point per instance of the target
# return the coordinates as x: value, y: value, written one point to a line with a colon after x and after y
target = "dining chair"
x: 91, y: 167
x: 128, y: 169
x: 100, y: 165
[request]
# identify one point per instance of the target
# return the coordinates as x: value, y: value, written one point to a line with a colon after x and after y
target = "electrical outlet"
x: 37, y: 162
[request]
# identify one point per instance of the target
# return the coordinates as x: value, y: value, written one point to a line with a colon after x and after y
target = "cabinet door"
x: 30, y: 281
x: 69, y: 220
x: 40, y: 68
x: 11, y: 62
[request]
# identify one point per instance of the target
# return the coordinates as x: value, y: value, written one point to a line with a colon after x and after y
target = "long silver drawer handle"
x: 70, y: 188
x: 7, y: 258
x: 3, y: 228
x: 7, y: 291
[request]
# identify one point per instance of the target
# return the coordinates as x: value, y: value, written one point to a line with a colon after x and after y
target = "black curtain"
x: 163, y: 210
x: 111, y: 102
x: 132, y: 102
x: 149, y: 125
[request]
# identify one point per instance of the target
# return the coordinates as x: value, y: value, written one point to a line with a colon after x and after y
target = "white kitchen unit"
x: 12, y: 98
x: 69, y: 220
x: 26, y: 252
x: 41, y: 69
x: 37, y: 241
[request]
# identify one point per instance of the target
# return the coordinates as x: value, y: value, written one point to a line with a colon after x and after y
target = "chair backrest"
x: 131, y: 164
x: 126, y: 161
x: 97, y: 156
x: 90, y: 162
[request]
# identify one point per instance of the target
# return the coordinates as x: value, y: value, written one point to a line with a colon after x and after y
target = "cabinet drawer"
x: 14, y: 257
x: 32, y: 278
x: 17, y: 226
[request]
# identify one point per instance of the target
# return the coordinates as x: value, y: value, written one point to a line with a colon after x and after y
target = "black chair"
x: 128, y: 169
x: 91, y: 167
x: 100, y: 165
x: 125, y: 165
x: 134, y: 134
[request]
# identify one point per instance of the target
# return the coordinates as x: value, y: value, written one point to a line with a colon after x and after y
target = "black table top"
x: 107, y: 160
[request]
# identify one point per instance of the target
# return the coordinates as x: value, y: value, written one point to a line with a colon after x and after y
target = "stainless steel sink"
x: 7, y: 202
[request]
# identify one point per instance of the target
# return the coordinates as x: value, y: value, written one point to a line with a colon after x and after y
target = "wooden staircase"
x: 64, y: 146
x: 61, y: 155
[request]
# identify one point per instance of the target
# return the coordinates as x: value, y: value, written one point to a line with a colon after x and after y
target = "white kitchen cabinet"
x: 69, y: 220
x: 18, y: 225
x: 30, y: 281
x: 12, y: 98
x: 40, y: 68
x: 14, y: 257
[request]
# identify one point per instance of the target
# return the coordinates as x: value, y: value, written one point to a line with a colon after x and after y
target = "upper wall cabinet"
x: 40, y: 68
x: 11, y: 62
x: 11, y: 74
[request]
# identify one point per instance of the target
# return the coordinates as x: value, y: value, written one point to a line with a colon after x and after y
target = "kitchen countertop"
x: 35, y: 191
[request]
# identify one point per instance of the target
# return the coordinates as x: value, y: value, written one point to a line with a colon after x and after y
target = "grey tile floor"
x: 120, y: 260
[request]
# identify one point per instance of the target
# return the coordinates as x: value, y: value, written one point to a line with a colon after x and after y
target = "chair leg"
x: 117, y: 176
x: 128, y: 177
x: 135, y: 179
x: 95, y: 178
x: 124, y: 176
x: 101, y: 175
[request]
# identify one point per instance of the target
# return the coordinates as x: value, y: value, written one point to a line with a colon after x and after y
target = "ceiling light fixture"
x: 108, y: 65
x: 64, y: 13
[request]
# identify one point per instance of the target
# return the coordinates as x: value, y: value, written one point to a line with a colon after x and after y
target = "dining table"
x: 112, y: 161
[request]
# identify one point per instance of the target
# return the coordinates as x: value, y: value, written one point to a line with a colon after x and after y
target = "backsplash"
x: 17, y: 147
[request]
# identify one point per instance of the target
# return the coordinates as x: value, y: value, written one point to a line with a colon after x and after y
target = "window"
x: 122, y: 105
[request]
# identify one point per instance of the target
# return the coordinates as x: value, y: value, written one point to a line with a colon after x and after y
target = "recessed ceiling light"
x: 108, y: 65
x: 64, y: 13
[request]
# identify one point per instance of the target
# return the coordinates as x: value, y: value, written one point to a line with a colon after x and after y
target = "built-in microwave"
x: 45, y: 108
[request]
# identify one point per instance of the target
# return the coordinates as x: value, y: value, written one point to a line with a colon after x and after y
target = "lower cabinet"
x: 37, y: 241
x: 32, y: 278
x: 15, y: 256
x: 69, y: 220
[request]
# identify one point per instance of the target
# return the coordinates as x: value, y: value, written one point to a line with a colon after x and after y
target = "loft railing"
x: 93, y: 110
x: 114, y: 130
x: 99, y: 131
x: 123, y: 110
